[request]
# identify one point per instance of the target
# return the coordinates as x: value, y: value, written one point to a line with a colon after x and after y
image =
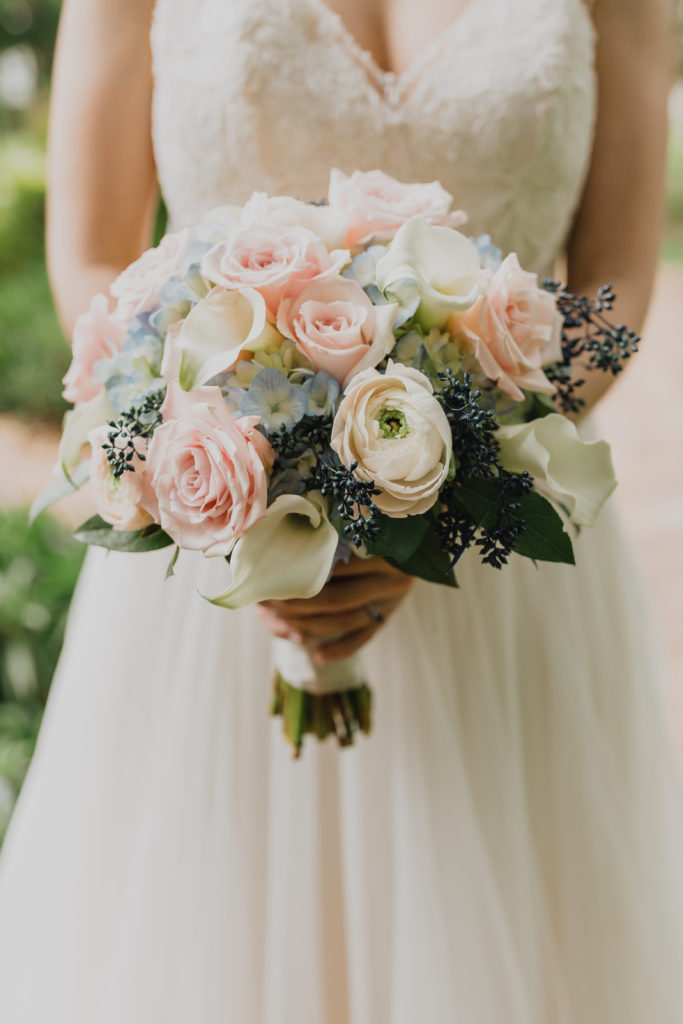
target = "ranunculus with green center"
x: 438, y: 263
x: 391, y: 425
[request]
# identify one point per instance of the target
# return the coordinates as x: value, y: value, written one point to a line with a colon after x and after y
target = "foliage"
x: 38, y: 570
x: 31, y: 23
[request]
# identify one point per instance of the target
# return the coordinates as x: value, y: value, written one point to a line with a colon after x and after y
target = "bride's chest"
x: 271, y: 93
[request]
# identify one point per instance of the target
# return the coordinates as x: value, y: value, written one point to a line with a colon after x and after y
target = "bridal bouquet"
x: 286, y: 385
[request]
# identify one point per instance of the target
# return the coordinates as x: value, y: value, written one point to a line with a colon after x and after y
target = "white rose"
x: 393, y: 427
x: 439, y: 263
x: 577, y: 474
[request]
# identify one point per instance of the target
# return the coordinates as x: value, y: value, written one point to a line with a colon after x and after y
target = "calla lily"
x: 439, y: 263
x: 577, y: 474
x: 214, y: 333
x: 78, y: 423
x: 287, y: 554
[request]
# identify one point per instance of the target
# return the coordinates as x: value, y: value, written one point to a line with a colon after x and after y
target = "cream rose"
x: 514, y: 329
x: 392, y: 426
x: 266, y: 257
x: 118, y: 500
x: 207, y: 472
x: 375, y: 204
x: 337, y: 327
x: 438, y: 263
x: 577, y: 474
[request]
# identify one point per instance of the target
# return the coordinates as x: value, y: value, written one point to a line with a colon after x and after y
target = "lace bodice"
x: 270, y: 94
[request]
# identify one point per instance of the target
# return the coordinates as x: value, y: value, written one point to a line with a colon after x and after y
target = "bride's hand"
x: 346, y: 613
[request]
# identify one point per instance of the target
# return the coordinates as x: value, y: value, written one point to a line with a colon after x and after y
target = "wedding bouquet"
x: 288, y: 384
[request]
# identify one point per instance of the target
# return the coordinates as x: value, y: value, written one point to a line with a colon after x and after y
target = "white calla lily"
x: 577, y: 474
x: 287, y: 554
x: 78, y: 422
x: 439, y: 263
x: 219, y: 327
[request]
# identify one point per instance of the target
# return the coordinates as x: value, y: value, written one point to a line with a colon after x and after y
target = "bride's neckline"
x: 393, y: 86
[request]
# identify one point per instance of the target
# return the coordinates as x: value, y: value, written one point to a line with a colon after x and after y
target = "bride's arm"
x: 617, y: 232
x: 101, y: 176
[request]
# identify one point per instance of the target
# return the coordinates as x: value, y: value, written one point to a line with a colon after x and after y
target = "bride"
x: 506, y: 847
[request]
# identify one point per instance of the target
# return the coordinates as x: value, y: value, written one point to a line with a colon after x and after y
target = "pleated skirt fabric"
x: 505, y: 848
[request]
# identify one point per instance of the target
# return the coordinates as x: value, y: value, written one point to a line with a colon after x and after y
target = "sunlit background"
x: 642, y: 416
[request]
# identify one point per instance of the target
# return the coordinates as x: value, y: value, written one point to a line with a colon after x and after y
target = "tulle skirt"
x: 506, y: 848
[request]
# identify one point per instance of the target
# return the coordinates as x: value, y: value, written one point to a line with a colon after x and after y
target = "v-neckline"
x: 390, y: 86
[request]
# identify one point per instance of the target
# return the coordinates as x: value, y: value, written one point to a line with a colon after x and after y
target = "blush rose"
x: 375, y: 204
x: 137, y: 288
x: 267, y: 257
x: 97, y: 335
x: 207, y: 472
x: 337, y: 327
x: 514, y: 329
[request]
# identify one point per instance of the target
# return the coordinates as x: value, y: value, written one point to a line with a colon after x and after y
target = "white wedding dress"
x: 506, y: 847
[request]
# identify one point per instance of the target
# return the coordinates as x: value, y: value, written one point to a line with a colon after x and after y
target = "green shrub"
x: 22, y: 226
x: 38, y: 571
x: 33, y: 353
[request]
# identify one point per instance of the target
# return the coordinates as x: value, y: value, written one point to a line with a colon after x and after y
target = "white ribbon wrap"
x: 295, y: 664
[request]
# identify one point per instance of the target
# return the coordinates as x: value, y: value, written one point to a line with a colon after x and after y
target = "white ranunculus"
x: 215, y: 332
x: 393, y: 427
x: 577, y: 474
x: 440, y: 263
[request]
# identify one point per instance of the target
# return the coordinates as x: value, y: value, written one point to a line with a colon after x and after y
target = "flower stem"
x: 340, y: 714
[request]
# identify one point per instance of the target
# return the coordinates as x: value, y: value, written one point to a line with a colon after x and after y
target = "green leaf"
x: 429, y: 562
x: 544, y: 537
x: 399, y: 538
x: 96, y: 531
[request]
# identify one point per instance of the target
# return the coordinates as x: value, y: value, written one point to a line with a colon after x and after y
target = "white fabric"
x: 507, y: 846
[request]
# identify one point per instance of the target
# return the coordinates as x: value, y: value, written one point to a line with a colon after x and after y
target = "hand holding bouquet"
x: 290, y: 385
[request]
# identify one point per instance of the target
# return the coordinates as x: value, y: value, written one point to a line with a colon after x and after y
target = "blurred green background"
x: 38, y: 567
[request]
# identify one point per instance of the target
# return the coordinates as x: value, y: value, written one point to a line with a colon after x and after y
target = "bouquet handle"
x: 324, y: 700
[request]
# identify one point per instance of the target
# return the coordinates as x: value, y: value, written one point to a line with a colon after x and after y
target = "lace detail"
x: 270, y: 94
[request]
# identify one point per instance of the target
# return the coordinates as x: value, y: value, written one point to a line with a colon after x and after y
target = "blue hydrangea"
x: 278, y: 402
x: 321, y: 393
x: 363, y: 271
x: 490, y: 256
x: 175, y: 302
x: 190, y: 268
x: 133, y: 371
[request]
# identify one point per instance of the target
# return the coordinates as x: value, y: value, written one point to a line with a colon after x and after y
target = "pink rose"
x: 118, y: 501
x: 376, y: 204
x: 97, y: 335
x: 207, y: 472
x: 514, y: 329
x: 267, y: 257
x: 337, y: 327
x: 137, y: 288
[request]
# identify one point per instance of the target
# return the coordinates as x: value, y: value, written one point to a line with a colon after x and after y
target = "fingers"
x: 344, y: 594
x: 338, y: 623
x: 346, y: 645
x: 280, y: 627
